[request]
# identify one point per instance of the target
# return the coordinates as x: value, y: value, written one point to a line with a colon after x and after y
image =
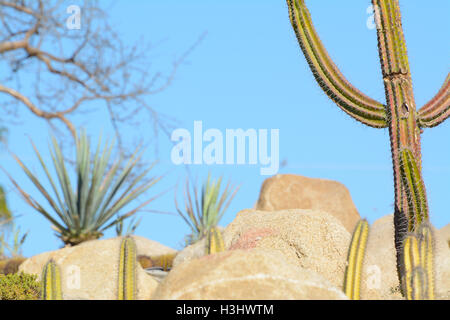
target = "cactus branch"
x: 330, y: 79
x: 437, y: 110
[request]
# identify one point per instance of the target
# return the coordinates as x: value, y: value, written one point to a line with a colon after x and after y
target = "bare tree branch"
x: 56, y: 73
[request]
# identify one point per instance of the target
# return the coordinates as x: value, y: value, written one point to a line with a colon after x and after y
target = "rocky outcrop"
x: 290, y: 191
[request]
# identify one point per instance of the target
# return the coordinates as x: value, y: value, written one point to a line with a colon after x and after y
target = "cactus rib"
x: 51, y: 282
x: 414, y: 188
x: 352, y: 282
x: 330, y: 79
x: 437, y: 110
x: 127, y: 270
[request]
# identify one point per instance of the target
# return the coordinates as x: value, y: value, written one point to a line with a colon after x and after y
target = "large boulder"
x: 444, y: 233
x: 379, y: 278
x: 254, y: 274
x: 290, y: 191
x: 442, y: 263
x: 309, y: 239
x: 90, y: 269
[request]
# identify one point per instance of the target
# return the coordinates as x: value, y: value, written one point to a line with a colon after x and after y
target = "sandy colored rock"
x: 194, y: 251
x: 290, y: 191
x: 309, y: 239
x: 379, y: 274
x: 445, y: 234
x: 442, y: 263
x: 255, y: 274
x: 90, y: 270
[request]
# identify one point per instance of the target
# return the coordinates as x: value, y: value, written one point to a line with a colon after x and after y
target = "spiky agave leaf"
x: 100, y: 193
x: 204, y: 213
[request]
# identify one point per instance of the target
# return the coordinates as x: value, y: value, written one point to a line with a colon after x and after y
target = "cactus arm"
x: 328, y: 76
x: 437, y: 110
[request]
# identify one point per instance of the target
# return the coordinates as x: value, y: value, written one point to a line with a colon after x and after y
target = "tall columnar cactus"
x: 399, y: 114
x: 127, y: 270
x: 51, y: 282
x: 352, y: 281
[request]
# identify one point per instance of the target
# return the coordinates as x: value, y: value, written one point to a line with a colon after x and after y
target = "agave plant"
x: 102, y: 190
x: 203, y: 214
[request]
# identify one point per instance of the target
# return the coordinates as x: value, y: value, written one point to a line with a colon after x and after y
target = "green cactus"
x: 214, y: 241
x: 418, y: 278
x: 51, y: 282
x: 127, y: 270
x: 352, y: 281
x: 399, y: 114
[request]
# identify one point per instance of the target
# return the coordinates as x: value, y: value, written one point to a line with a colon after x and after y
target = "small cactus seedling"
x: 214, y: 242
x: 352, y: 282
x: 418, y: 282
x: 127, y: 270
x: 399, y: 114
x: 51, y: 282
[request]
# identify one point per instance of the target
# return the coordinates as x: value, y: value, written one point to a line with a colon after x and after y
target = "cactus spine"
x: 399, y: 115
x: 418, y: 279
x: 127, y: 270
x: 51, y: 282
x: 214, y: 242
x: 352, y: 282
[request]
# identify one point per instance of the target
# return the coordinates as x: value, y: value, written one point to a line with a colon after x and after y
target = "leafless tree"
x: 56, y: 70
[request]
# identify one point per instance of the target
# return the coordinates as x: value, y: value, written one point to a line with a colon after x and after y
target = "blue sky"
x: 248, y: 72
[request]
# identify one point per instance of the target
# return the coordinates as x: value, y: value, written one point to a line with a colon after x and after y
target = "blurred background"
x: 230, y: 64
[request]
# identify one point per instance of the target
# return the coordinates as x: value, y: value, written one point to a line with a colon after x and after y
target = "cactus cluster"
x: 418, y: 282
x: 51, y: 282
x: 404, y: 122
x: 352, y: 281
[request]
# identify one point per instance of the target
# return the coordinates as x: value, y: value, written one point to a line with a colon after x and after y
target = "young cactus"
x: 51, y: 282
x: 418, y: 276
x: 214, y: 242
x: 352, y: 282
x: 399, y: 114
x: 127, y: 270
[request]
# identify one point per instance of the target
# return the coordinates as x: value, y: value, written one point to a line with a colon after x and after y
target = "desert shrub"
x: 9, y: 266
x: 19, y: 287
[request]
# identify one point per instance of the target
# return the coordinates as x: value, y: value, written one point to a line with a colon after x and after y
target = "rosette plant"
x: 204, y: 213
x: 84, y: 211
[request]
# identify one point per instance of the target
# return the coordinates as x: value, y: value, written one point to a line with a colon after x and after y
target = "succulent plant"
x: 352, y: 281
x: 85, y: 212
x: 203, y: 214
x: 127, y: 270
x: 399, y: 114
x: 51, y: 281
x: 418, y: 281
